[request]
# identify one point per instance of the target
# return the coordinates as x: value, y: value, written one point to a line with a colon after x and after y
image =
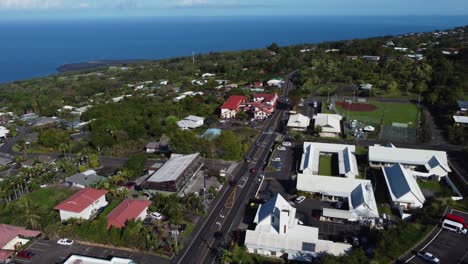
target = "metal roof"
x: 405, y: 156
x: 173, y: 168
x: 402, y: 185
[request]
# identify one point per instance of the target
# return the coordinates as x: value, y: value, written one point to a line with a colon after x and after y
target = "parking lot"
x: 283, y: 162
x: 48, y: 252
x: 448, y: 247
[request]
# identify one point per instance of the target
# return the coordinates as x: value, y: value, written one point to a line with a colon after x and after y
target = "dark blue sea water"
x: 36, y: 48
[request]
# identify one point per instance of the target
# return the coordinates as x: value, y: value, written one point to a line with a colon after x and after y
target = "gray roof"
x: 462, y: 104
x: 5, y: 161
x: 405, y: 155
x: 173, y: 168
x: 86, y: 178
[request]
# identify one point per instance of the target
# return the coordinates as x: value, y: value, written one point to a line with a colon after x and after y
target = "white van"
x: 453, y: 226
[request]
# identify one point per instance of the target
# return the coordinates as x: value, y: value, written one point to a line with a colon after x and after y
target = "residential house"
x: 208, y: 75
x: 275, y: 82
x: 263, y: 105
x: 84, y: 179
x: 403, y: 188
x: 278, y: 234
x: 460, y: 120
x: 462, y: 106
x: 429, y: 164
x: 298, y: 122
x: 232, y: 106
x: 128, y: 210
x: 370, y: 58
x: 12, y: 238
x: 191, y: 122
x: 4, y: 132
x: 84, y: 204
x: 5, y: 160
x: 330, y: 124
x: 155, y: 147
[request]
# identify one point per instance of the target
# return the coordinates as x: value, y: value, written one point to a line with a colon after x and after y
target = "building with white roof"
x: 330, y: 124
x: 174, y: 175
x: 298, y: 122
x: 347, y: 164
x: 191, y: 122
x: 403, y: 188
x: 460, y: 119
x: 4, y: 132
x: 78, y: 259
x: 423, y: 163
x: 357, y: 194
x: 278, y: 234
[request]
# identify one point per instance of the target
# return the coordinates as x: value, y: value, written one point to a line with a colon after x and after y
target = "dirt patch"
x: 357, y: 107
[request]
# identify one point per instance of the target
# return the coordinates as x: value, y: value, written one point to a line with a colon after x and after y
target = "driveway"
x: 48, y: 252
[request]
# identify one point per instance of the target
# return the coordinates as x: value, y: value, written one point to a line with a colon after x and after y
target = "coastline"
x: 90, y: 65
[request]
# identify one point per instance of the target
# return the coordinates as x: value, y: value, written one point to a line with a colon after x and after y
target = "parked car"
x: 299, y: 199
x: 65, y: 242
x: 428, y: 257
x: 156, y: 215
x: 253, y: 170
x: 281, y: 148
x: 26, y: 254
x: 276, y: 159
x: 286, y: 144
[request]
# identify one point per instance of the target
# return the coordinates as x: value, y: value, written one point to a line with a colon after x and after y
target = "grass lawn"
x: 430, y: 185
x: 390, y: 112
x: 328, y: 165
x: 43, y: 200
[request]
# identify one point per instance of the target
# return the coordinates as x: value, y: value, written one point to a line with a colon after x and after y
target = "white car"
x: 156, y: 215
x: 276, y: 159
x: 281, y: 148
x: 299, y: 199
x: 286, y: 144
x: 428, y: 257
x: 65, y: 242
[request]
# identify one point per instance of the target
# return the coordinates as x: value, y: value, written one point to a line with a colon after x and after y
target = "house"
x: 263, y: 105
x: 154, y: 147
x: 78, y: 259
x: 275, y: 82
x: 174, y: 175
x: 208, y: 75
x: 4, y: 132
x: 330, y: 124
x: 462, y: 106
x: 128, y: 210
x: 460, y: 120
x: 365, y: 86
x: 267, y: 99
x: 84, y: 179
x: 370, y: 58
x: 298, y: 122
x: 191, y: 122
x: 12, y: 238
x: 231, y: 107
x: 84, y: 204
x: 278, y: 234
x: 403, y: 188
x: 347, y: 164
x: 430, y: 164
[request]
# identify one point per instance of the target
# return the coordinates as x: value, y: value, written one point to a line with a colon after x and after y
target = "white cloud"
x: 30, y: 4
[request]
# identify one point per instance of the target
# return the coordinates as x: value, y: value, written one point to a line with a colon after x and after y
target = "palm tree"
x: 226, y: 256
x: 28, y: 214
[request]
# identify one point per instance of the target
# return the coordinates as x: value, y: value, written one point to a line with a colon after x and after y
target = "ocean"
x: 30, y: 49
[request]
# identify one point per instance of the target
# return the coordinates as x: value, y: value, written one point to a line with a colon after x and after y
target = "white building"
x: 191, y: 122
x: 84, y: 204
x: 357, y: 194
x: 4, y: 132
x: 278, y: 234
x: 275, y: 82
x: 330, y: 124
x: 423, y: 163
x: 457, y: 119
x: 404, y: 190
x: 298, y: 122
x: 208, y: 75
x: 347, y: 164
x: 77, y: 259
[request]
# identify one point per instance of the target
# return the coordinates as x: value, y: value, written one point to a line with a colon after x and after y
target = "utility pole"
x: 193, y: 57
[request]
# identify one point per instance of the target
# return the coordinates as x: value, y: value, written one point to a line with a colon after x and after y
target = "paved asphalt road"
x: 227, y: 210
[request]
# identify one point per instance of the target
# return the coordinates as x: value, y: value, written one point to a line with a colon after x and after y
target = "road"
x: 226, y: 212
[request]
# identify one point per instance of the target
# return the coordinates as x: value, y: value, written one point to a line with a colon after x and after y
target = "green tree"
x: 53, y: 138
x: 28, y: 214
x: 230, y: 145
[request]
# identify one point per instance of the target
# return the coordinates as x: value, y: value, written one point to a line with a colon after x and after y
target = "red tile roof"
x: 127, y: 210
x: 5, y: 254
x: 9, y: 232
x: 266, y: 97
x: 80, y: 200
x: 233, y: 102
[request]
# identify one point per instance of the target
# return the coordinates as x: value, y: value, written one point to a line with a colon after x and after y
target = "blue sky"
x: 22, y: 9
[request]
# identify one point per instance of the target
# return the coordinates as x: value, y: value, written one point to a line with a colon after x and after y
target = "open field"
x: 389, y: 112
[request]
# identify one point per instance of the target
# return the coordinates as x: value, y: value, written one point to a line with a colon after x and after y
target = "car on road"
x: 286, y: 144
x: 65, y: 242
x: 242, y: 182
x: 25, y: 254
x: 247, y: 159
x: 281, y: 148
x: 276, y: 159
x: 299, y: 199
x: 428, y: 257
x: 218, y: 235
x: 253, y: 170
x: 156, y: 215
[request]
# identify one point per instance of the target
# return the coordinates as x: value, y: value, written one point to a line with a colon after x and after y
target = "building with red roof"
x: 233, y: 104
x: 263, y: 105
x: 84, y: 204
x: 128, y: 210
x: 13, y: 237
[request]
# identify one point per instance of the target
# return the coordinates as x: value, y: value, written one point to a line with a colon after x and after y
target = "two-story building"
x: 84, y: 204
